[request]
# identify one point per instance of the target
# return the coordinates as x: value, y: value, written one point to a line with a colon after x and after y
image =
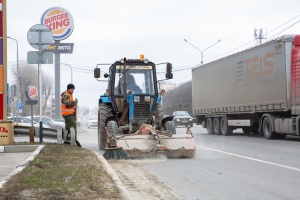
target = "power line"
x: 282, y: 25
x: 284, y: 30
x: 251, y: 40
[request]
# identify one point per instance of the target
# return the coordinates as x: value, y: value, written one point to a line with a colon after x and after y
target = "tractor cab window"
x: 139, y: 80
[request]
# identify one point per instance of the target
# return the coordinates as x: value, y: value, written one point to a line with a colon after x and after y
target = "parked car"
x: 93, y: 121
x: 48, y: 121
x: 24, y: 121
x: 182, y: 118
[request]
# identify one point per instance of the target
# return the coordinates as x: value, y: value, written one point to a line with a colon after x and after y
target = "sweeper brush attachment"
x: 150, y: 143
x: 116, y: 153
x: 112, y: 151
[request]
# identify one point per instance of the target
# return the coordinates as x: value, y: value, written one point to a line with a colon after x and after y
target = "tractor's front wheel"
x: 105, y: 111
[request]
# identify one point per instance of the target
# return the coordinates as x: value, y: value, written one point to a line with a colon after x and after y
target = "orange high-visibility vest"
x: 65, y: 111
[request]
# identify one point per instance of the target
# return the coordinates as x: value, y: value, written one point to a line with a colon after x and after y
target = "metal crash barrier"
x: 60, y: 134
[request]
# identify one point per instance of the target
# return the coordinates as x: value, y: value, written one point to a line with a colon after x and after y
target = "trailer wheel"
x: 104, y: 112
x: 209, y: 126
x: 247, y: 130
x: 217, y: 126
x: 225, y: 129
x: 112, y: 127
x: 267, y: 129
x: 169, y: 125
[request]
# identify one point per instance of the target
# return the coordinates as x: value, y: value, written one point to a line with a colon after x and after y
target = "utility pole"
x: 260, y: 36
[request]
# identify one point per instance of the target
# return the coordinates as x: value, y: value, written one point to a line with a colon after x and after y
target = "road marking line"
x: 249, y: 158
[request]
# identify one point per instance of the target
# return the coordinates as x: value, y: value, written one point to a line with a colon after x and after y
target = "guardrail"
x: 24, y: 130
x: 60, y: 133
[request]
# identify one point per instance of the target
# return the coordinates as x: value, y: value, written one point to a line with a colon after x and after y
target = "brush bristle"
x: 115, y: 154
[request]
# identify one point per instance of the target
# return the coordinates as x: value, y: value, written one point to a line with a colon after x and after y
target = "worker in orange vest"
x: 68, y: 107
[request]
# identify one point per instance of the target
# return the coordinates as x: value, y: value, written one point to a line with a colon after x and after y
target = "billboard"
x: 60, y: 21
x: 60, y: 48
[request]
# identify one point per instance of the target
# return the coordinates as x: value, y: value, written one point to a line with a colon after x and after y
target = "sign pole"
x: 52, y: 16
x: 31, y: 129
x: 40, y: 86
x: 57, y: 83
x: 39, y: 37
x: 32, y: 96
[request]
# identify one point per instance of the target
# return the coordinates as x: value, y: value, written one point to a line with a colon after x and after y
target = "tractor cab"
x: 140, y: 85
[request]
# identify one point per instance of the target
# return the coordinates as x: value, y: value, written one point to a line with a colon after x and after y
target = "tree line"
x: 180, y: 98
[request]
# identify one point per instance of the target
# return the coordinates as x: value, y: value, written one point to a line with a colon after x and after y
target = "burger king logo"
x: 60, y: 21
x: 32, y: 93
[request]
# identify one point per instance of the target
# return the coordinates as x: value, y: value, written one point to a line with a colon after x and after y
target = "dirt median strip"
x: 62, y: 172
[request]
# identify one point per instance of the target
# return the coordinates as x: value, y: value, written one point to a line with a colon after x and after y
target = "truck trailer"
x: 257, y: 89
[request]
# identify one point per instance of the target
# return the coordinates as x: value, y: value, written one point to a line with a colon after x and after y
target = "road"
x: 240, y: 166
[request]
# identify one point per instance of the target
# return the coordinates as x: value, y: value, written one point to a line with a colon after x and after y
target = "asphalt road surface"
x: 241, y: 166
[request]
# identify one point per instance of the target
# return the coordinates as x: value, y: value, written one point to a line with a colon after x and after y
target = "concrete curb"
x: 20, y: 167
x: 18, y: 148
x: 124, y: 193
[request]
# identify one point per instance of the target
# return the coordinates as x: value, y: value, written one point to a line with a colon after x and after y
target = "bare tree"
x: 179, y: 98
x: 47, y: 86
x: 29, y: 77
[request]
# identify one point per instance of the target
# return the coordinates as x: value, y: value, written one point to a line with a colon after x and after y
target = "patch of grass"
x: 62, y: 172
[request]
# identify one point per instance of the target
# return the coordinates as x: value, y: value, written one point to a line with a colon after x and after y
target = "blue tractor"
x: 130, y: 110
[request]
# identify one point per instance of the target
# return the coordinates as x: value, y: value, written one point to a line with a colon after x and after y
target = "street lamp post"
x: 17, y: 86
x: 203, y: 50
x: 71, y: 71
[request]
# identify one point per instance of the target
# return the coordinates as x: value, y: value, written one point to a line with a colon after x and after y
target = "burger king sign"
x: 32, y: 93
x: 60, y: 21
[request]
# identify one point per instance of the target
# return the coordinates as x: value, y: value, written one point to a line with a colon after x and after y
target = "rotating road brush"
x: 112, y: 151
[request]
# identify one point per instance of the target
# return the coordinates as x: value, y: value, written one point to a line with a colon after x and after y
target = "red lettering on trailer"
x: 268, y: 64
x: 254, y: 67
x: 259, y: 66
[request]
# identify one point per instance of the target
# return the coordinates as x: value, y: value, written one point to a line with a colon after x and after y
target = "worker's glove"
x: 75, y: 101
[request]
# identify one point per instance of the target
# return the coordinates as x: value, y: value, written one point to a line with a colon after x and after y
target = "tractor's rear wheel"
x: 105, y: 111
x: 158, y: 114
x: 169, y: 125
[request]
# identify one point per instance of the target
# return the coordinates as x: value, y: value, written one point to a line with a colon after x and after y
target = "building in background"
x: 166, y: 85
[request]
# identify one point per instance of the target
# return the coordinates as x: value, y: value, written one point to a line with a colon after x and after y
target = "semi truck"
x: 257, y: 89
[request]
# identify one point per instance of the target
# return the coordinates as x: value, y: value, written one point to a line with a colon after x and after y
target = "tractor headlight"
x: 147, y: 98
x: 136, y: 98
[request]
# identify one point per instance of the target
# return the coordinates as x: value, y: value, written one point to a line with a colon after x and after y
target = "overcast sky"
x: 106, y: 31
